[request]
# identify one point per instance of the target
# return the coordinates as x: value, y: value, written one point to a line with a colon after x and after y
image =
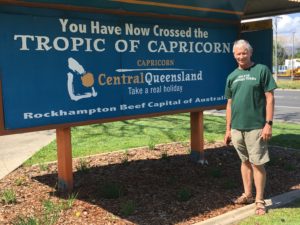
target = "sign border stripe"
x: 188, y: 7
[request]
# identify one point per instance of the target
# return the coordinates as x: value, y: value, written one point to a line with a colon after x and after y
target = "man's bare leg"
x: 259, y: 173
x: 247, y: 176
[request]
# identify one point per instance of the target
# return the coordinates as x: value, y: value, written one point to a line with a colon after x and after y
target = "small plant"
x: 211, y: 141
x: 164, y: 155
x: 112, y: 217
x: 70, y: 201
x: 19, y: 182
x: 127, y: 208
x: 215, y: 172
x: 50, y: 207
x: 151, y: 144
x: 289, y: 167
x: 189, y: 151
x: 26, y: 221
x: 44, y: 167
x: 49, y: 219
x: 297, y: 157
x: 51, y: 212
x: 275, y: 161
x: 229, y: 184
x: 82, y: 166
x: 125, y: 158
x: 171, y: 180
x: 112, y: 190
x: 9, y: 196
x: 184, y: 194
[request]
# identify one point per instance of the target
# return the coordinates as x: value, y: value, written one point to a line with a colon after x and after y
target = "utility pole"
x: 275, y: 53
x: 293, y: 42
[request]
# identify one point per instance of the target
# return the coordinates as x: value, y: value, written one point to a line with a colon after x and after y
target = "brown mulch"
x: 160, y: 186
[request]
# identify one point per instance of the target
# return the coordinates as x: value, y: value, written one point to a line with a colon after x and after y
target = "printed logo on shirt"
x: 244, y: 77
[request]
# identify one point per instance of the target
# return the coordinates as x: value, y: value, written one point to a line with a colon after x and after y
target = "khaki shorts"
x: 250, y: 146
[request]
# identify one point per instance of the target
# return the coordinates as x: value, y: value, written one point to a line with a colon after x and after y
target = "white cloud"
x: 288, y: 24
x: 288, y: 27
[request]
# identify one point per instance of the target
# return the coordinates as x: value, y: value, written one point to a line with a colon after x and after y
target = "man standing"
x: 249, y: 114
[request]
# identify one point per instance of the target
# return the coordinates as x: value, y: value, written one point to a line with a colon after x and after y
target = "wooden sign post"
x: 64, y: 159
x: 197, y: 136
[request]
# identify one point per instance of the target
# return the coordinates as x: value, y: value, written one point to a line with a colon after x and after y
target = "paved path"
x: 17, y: 148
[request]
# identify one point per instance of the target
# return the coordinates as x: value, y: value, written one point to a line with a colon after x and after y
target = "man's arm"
x: 267, y: 130
x: 227, y: 137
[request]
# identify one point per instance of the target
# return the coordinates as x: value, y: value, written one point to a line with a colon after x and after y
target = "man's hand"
x: 266, y: 133
x: 227, y: 138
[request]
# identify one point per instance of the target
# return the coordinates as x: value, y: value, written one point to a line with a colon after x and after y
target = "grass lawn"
x: 287, y: 215
x: 121, y: 135
x: 288, y: 84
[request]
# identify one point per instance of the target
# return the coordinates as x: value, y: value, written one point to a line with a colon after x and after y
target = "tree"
x: 297, y: 53
x: 281, y: 54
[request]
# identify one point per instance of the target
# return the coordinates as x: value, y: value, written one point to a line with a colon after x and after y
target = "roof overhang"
x: 230, y: 11
x: 263, y: 8
x: 222, y: 11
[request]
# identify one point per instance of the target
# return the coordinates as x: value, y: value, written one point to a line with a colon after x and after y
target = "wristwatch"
x: 270, y: 122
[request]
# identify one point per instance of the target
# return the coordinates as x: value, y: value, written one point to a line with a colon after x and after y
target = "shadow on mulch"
x: 171, y: 189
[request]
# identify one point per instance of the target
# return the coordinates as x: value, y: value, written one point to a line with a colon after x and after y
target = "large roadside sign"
x: 63, y: 70
x: 68, y: 63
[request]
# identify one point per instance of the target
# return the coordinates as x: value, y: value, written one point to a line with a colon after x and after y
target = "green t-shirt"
x: 247, y: 90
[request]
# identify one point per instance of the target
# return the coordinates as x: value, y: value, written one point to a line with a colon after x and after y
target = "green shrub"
x: 184, y: 194
x: 112, y: 190
x: 9, y: 196
x: 127, y: 208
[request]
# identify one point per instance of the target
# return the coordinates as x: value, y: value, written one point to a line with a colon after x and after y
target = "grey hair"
x: 242, y: 42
